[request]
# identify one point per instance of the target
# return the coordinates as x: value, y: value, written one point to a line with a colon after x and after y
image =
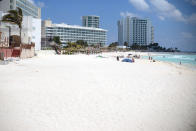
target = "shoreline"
x: 183, y: 65
x: 51, y: 52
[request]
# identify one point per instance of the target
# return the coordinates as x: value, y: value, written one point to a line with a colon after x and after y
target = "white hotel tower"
x: 135, y: 31
x: 90, y: 21
x: 72, y: 33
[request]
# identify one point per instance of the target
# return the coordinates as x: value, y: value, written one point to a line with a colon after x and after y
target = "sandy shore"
x: 86, y: 93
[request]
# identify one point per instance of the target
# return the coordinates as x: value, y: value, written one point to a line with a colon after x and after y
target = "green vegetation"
x: 74, y: 47
x: 55, y: 44
x: 81, y: 46
x: 82, y: 43
x: 71, y: 48
x: 138, y: 47
x: 57, y: 40
x: 126, y: 44
x: 151, y: 47
x: 157, y: 47
x: 113, y: 45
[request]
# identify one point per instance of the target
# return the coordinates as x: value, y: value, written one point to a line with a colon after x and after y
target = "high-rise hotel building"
x: 135, y: 31
x: 90, y: 21
x: 71, y: 33
x: 28, y: 8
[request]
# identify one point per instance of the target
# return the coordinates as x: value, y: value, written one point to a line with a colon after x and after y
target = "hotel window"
x: 11, y: 7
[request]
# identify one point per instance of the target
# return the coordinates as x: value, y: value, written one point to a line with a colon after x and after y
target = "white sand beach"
x: 87, y: 93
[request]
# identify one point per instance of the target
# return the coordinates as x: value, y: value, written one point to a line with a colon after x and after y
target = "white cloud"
x: 192, y: 19
x: 41, y: 4
x: 163, y: 9
x: 193, y: 2
x: 161, y: 18
x: 124, y: 14
x: 140, y: 4
x: 167, y: 10
x: 186, y: 35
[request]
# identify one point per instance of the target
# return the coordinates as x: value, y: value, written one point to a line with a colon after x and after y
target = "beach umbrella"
x: 127, y: 60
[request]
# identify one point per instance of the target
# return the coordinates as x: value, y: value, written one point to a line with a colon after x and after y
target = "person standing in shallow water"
x: 117, y: 58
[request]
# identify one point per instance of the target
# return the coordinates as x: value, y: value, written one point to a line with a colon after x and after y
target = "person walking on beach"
x: 117, y: 58
x: 133, y: 60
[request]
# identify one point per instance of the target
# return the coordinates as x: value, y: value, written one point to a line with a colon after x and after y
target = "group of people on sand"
x: 151, y: 59
x: 132, y: 58
x: 137, y: 56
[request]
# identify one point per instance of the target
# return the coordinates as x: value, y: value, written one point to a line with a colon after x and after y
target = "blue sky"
x: 174, y: 20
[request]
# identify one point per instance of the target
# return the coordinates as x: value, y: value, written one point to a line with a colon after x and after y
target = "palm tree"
x: 14, y: 17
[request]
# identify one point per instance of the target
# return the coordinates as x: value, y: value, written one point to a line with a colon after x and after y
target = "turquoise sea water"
x: 187, y: 59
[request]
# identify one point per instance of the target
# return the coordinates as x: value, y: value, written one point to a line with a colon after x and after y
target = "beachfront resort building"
x: 90, y: 21
x: 28, y: 8
x: 71, y: 33
x: 135, y: 31
x: 31, y: 25
x: 31, y: 30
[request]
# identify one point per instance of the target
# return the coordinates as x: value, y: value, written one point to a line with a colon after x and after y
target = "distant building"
x: 31, y: 30
x: 90, y: 21
x: 124, y: 31
x: 28, y: 8
x: 135, y: 31
x: 71, y: 33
